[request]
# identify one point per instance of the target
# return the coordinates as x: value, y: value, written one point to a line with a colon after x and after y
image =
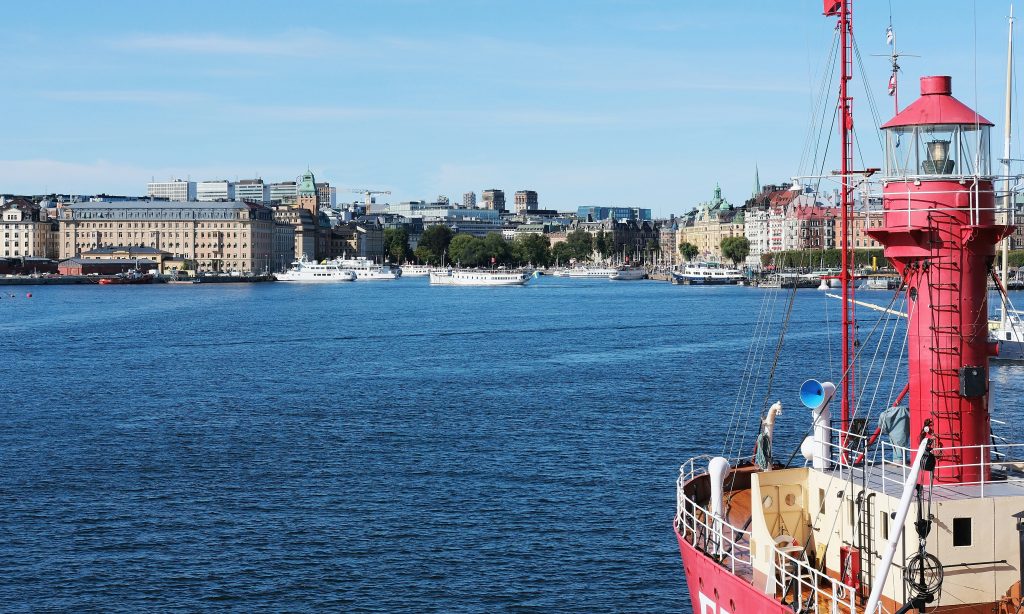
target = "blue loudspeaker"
x: 815, y: 394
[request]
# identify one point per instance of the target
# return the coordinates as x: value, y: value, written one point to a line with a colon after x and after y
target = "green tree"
x: 433, y: 244
x: 561, y: 253
x: 604, y: 244
x: 396, y: 245
x: 581, y: 244
x: 736, y: 249
x: 466, y: 250
x: 688, y: 250
x: 532, y: 249
x: 497, y: 251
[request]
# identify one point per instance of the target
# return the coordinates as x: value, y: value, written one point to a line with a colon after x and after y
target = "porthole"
x: 767, y: 501
x: 791, y: 499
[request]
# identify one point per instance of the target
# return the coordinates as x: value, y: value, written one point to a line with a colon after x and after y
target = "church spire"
x: 757, y: 181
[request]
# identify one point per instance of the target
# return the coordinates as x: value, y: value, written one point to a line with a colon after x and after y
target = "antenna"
x: 894, y: 60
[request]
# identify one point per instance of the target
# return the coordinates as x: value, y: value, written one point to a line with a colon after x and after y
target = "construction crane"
x: 368, y: 194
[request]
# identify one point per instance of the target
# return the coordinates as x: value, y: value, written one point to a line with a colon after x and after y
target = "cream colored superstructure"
x: 807, y: 503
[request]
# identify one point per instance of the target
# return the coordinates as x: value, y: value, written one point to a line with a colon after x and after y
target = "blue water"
x: 371, y: 446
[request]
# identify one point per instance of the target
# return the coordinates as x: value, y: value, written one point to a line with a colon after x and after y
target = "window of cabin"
x: 961, y: 531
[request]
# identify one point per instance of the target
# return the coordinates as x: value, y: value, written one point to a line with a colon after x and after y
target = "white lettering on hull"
x: 708, y: 605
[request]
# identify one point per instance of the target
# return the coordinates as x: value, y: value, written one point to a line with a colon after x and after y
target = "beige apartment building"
x: 213, y: 236
x: 27, y: 232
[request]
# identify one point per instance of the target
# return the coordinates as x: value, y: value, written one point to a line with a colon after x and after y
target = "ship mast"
x: 844, y: 10
x: 1008, y: 198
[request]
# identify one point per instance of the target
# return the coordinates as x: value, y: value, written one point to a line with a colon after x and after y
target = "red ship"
x: 930, y: 516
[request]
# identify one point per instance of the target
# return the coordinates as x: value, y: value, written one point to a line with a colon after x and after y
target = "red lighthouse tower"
x: 940, y: 233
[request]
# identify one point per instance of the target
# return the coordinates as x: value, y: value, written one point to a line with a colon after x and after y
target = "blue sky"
x: 608, y: 102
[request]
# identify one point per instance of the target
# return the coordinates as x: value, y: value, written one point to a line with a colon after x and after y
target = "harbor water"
x: 384, y: 446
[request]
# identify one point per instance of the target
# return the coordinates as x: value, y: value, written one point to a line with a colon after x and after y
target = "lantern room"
x: 937, y: 137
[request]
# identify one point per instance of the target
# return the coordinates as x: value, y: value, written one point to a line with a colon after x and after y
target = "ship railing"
x: 726, y: 543
x: 810, y: 588
x: 1006, y: 459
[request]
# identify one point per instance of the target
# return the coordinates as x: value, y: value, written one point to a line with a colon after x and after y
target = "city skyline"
x: 598, y: 103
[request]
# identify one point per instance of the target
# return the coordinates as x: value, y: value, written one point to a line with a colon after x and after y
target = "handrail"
x: 725, y: 543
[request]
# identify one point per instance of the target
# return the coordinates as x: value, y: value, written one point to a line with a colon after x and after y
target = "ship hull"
x: 714, y: 590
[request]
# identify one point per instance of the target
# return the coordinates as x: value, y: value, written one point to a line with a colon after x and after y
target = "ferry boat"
x: 706, y: 273
x: 478, y: 277
x: 628, y: 273
x: 315, y: 272
x: 925, y: 513
x: 367, y: 270
x: 416, y: 270
x: 586, y: 272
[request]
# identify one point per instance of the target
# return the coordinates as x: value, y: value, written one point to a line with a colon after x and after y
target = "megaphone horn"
x: 815, y: 394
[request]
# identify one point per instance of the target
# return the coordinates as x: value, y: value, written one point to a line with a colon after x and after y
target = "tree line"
x: 439, y: 245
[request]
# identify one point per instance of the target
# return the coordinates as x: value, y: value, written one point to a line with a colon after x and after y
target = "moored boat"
x: 303, y: 270
x: 706, y: 274
x: 367, y: 270
x: 479, y: 277
x: 416, y: 270
x: 628, y: 273
x: 127, y: 278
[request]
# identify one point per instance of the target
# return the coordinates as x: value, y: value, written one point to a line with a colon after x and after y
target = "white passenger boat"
x: 586, y: 272
x: 416, y: 270
x: 706, y: 273
x: 367, y: 270
x: 315, y: 272
x: 627, y: 273
x: 478, y: 277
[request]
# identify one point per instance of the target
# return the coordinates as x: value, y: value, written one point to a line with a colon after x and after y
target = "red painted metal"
x: 940, y: 234
x: 845, y: 13
x: 936, y: 106
x: 714, y: 590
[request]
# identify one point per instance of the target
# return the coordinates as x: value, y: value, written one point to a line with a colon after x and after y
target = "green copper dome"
x: 307, y: 185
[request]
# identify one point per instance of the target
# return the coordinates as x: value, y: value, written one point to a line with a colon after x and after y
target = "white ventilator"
x: 815, y: 396
x: 718, y: 468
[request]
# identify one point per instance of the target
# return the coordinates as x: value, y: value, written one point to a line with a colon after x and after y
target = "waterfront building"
x: 526, y: 200
x: 358, y: 239
x: 252, y: 191
x: 494, y: 200
x: 596, y: 214
x: 469, y: 200
x: 306, y: 196
x: 284, y: 192
x: 304, y: 230
x: 156, y: 258
x: 668, y: 239
x: 210, y: 191
x: 213, y: 236
x: 631, y: 239
x: 27, y: 231
x: 177, y: 189
x: 764, y: 221
x: 326, y: 196
x: 709, y: 223
x: 111, y: 266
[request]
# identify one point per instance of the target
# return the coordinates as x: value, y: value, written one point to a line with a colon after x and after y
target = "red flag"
x: 493, y: 259
x: 892, y: 85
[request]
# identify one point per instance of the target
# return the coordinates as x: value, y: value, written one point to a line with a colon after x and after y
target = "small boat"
x: 128, y: 277
x: 628, y: 273
x: 479, y: 277
x: 303, y: 270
